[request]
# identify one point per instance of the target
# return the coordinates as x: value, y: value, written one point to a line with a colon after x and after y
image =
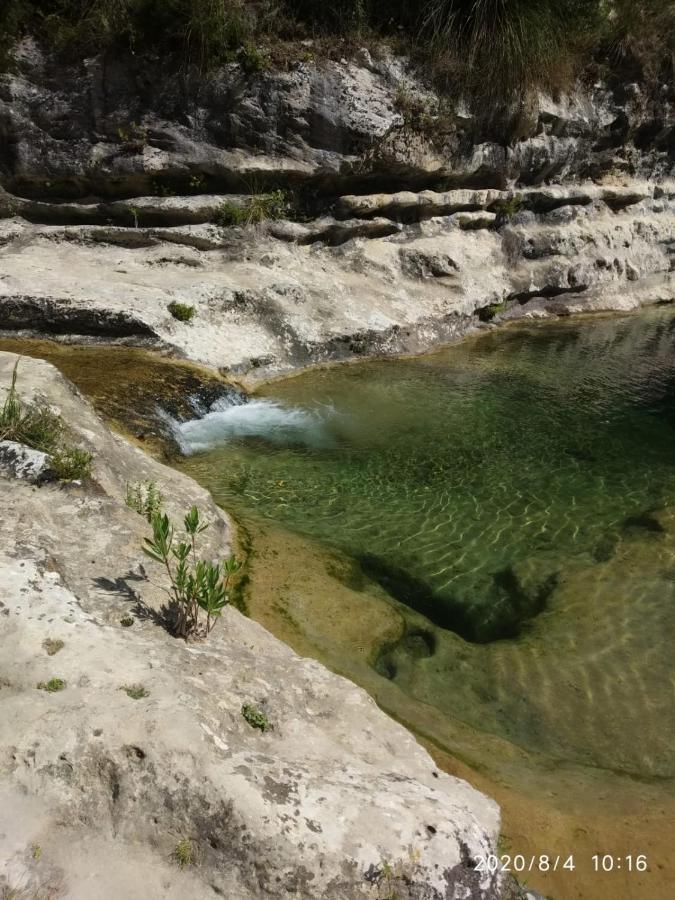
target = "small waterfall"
x: 232, y: 415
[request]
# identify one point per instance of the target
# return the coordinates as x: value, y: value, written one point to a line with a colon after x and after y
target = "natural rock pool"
x: 518, y: 491
x: 484, y: 538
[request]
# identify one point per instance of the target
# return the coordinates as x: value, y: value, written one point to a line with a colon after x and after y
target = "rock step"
x: 136, y: 212
x: 413, y: 206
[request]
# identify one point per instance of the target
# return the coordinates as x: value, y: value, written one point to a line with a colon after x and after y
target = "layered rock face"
x: 90, y: 243
x: 387, y: 273
x: 145, y: 746
x: 113, y: 125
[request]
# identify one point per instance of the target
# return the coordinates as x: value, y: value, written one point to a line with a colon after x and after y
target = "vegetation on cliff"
x: 479, y: 45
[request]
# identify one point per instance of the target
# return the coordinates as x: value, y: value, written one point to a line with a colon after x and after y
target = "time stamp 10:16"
x: 545, y: 862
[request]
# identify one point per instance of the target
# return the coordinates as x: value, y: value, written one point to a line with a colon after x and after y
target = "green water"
x: 516, y: 493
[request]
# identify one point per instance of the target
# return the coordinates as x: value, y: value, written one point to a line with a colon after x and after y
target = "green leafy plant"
x: 251, y: 59
x: 71, y: 463
x: 255, y: 717
x: 183, y: 312
x: 126, y: 621
x: 135, y: 691
x: 196, y: 585
x: 51, y: 686
x: 52, y: 646
x: 145, y: 498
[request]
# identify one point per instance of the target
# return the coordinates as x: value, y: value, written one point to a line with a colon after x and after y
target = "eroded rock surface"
x: 389, y: 273
x: 145, y: 745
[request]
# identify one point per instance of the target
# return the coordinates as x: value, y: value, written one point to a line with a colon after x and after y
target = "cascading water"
x: 232, y: 416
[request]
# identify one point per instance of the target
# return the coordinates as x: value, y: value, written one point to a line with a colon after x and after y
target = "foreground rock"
x: 145, y: 747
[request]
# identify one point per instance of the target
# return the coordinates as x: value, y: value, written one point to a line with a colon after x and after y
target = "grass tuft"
x: 255, y: 717
x: 36, y: 426
x: 135, y: 691
x: 260, y: 207
x: 52, y: 646
x: 51, y: 686
x: 185, y: 854
x: 183, y: 312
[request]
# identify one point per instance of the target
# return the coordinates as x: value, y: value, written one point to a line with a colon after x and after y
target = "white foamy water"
x: 263, y: 418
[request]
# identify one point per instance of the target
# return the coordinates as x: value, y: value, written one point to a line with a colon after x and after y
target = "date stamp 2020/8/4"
x: 548, y: 862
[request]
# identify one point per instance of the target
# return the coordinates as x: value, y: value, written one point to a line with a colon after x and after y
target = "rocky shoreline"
x: 334, y: 800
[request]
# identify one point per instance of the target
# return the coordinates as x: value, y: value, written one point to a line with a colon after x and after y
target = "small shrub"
x: 135, y: 691
x: 196, y: 585
x: 230, y: 215
x: 251, y: 59
x: 181, y: 311
x: 507, y: 209
x: 51, y: 686
x: 197, y: 183
x: 487, y: 313
x: 71, y: 463
x: 52, y: 646
x: 184, y: 854
x: 145, y: 498
x: 255, y: 718
x: 126, y: 621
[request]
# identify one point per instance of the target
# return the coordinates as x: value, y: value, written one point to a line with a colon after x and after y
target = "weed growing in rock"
x: 259, y: 208
x: 196, y: 585
x: 181, y: 311
x: 487, y: 313
x: 71, y: 463
x: 145, y: 498
x: 184, y: 854
x: 507, y: 209
x: 36, y: 426
x: 255, y: 718
x: 52, y: 646
x: 251, y: 59
x: 51, y: 686
x: 36, y: 851
x: 126, y: 621
x: 135, y: 691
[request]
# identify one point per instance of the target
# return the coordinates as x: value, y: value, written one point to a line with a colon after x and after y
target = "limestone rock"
x: 113, y: 126
x: 22, y: 462
x: 401, y: 273
x: 146, y: 745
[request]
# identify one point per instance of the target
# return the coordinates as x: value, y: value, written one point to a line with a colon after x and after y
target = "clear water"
x: 516, y: 494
